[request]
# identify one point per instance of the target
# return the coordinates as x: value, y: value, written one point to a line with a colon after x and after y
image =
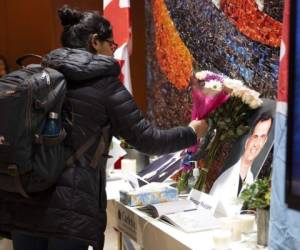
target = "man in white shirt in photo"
x: 229, y: 184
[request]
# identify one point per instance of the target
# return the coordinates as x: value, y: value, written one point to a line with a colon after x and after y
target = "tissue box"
x: 146, y: 197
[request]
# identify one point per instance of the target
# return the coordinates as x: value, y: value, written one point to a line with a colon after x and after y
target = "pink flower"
x: 203, y: 104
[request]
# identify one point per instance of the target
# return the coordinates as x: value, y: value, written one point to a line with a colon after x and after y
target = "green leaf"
x: 237, y: 108
x: 242, y: 129
x: 227, y: 120
x: 230, y: 133
x: 221, y: 124
x: 223, y: 137
x: 257, y: 195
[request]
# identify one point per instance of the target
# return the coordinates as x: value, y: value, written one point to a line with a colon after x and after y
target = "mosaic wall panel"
x: 274, y: 9
x: 187, y: 34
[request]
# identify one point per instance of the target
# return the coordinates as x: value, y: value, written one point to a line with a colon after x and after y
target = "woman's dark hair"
x: 80, y: 26
x: 2, y: 58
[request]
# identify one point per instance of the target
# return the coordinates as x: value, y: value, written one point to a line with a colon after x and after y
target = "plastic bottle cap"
x: 196, y: 172
x: 53, y: 115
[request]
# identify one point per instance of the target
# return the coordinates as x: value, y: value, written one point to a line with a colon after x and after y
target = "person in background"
x: 3, y: 66
x: 72, y: 214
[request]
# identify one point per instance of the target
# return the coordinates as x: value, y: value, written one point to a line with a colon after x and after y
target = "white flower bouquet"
x: 228, y: 122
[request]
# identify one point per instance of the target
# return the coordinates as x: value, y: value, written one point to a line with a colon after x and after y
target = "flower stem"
x: 200, y: 184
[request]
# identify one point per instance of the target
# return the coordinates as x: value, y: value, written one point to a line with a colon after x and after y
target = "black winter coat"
x: 75, y: 207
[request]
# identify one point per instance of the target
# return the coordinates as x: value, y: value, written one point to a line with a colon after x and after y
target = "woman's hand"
x: 199, y: 126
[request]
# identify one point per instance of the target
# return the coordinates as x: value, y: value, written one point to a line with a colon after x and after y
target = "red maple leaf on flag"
x: 119, y: 19
x: 121, y: 77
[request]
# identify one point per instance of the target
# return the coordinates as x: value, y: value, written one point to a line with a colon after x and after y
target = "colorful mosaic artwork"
x: 274, y: 9
x: 181, y: 34
x: 253, y: 23
x: 163, y: 96
x: 215, y: 43
x: 172, y: 55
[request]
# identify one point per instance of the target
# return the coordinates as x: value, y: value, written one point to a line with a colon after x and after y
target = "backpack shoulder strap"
x: 80, y: 151
x: 102, y: 148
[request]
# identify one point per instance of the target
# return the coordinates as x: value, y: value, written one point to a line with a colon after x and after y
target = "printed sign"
x: 203, y: 200
x: 127, y: 222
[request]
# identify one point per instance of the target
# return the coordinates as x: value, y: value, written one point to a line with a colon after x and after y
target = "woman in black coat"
x: 73, y: 216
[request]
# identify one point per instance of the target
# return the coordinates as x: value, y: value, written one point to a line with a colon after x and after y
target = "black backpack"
x: 30, y: 162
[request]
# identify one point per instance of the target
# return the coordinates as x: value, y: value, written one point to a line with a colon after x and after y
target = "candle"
x: 128, y: 165
x: 247, y: 222
x: 221, y: 239
x: 234, y: 225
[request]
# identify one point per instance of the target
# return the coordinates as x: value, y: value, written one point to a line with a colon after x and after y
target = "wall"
x: 32, y: 27
x: 24, y: 30
x: 137, y: 60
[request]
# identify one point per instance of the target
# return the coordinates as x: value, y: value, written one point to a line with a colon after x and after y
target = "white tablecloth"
x: 152, y: 234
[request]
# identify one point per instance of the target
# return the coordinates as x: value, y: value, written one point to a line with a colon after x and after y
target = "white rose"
x: 201, y: 75
x: 254, y: 93
x: 255, y: 103
x: 251, y: 97
x: 232, y: 83
x: 247, y: 96
x: 239, y: 91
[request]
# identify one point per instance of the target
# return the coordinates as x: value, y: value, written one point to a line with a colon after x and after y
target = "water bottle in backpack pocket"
x: 52, y: 127
x: 31, y: 149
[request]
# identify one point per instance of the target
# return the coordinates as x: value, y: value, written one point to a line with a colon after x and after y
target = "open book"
x: 183, y: 214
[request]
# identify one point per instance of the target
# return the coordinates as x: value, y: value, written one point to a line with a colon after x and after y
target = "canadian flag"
x: 118, y: 13
x: 284, y: 55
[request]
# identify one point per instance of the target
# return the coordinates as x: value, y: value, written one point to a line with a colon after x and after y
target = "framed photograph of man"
x: 248, y: 154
